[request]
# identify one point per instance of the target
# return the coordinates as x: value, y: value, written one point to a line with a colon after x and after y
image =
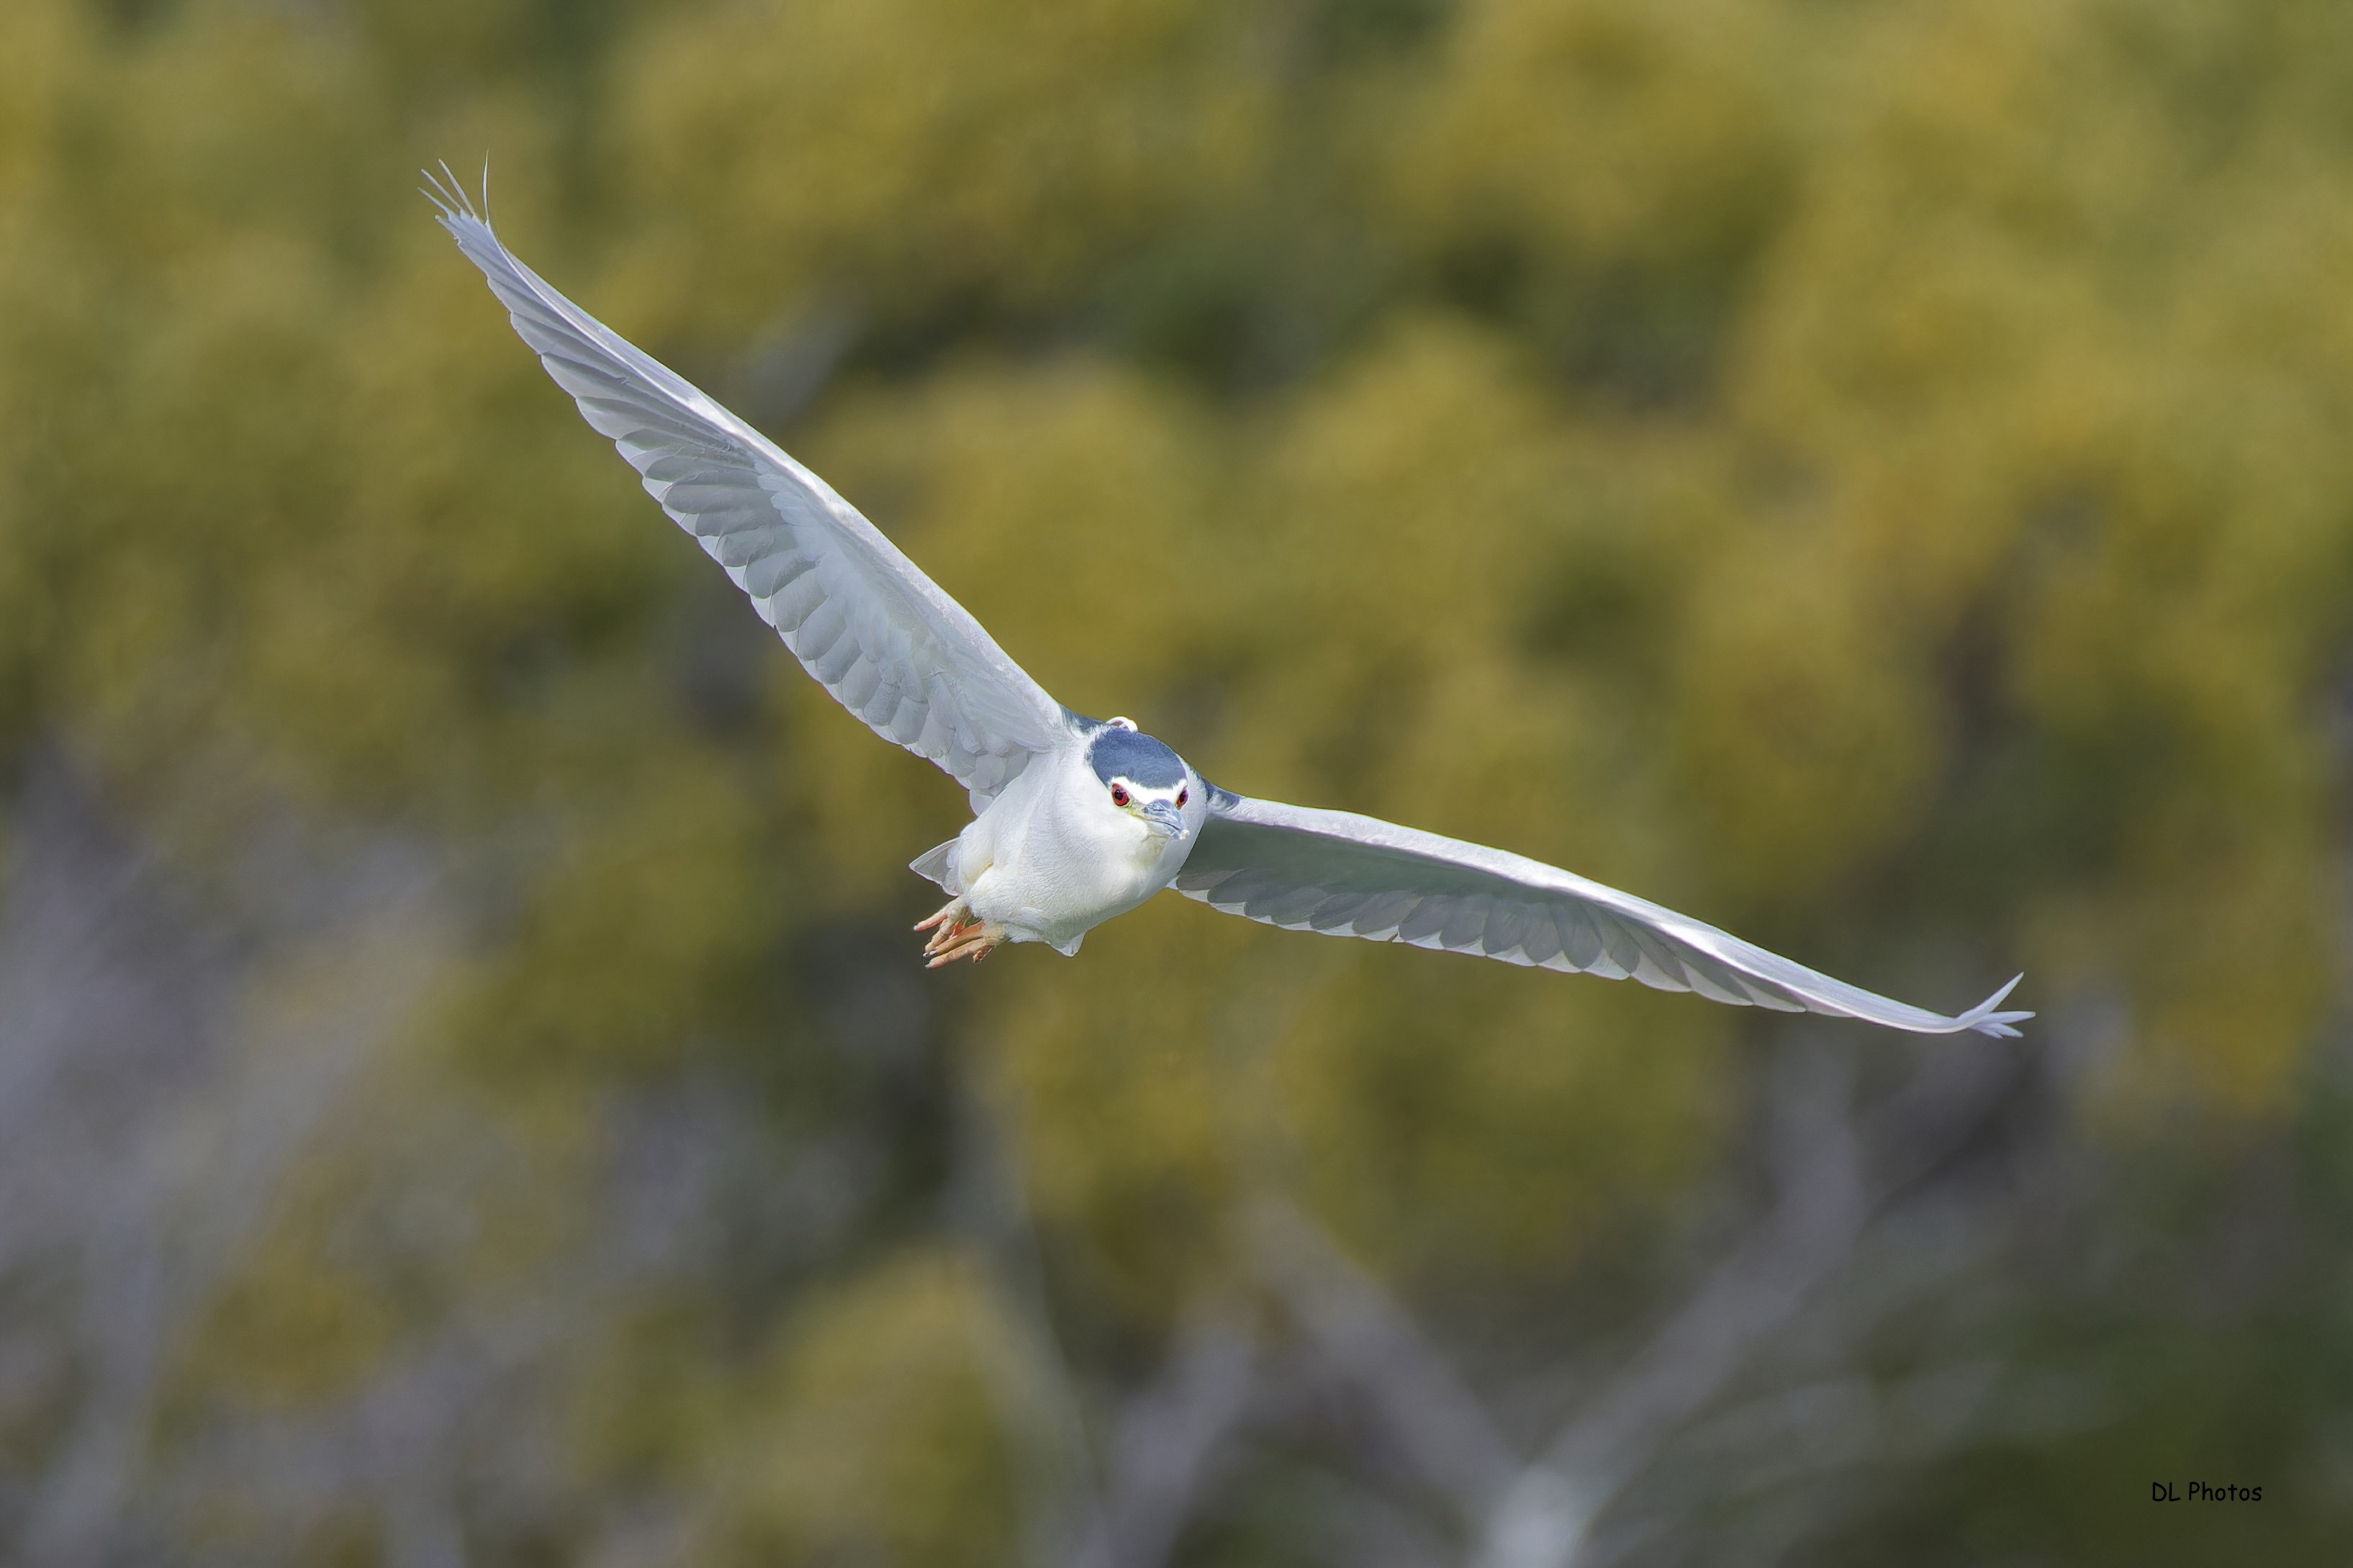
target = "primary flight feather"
x: 1076, y: 820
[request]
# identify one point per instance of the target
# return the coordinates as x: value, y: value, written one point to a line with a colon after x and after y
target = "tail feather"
x: 931, y: 865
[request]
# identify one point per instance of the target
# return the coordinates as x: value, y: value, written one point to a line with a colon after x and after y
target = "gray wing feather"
x: 861, y: 617
x: 1346, y: 875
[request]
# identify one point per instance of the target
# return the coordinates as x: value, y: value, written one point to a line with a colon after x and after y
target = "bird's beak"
x: 1165, y: 817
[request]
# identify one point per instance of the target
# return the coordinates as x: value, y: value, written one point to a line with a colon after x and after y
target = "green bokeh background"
x: 1875, y: 474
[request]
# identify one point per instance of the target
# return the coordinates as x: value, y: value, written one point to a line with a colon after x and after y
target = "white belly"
x: 1051, y: 858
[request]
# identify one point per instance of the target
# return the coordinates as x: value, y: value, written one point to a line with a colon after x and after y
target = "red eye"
x: 1182, y: 796
x: 1118, y: 796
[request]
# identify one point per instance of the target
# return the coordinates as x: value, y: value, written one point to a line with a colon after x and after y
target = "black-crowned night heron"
x: 1074, y: 819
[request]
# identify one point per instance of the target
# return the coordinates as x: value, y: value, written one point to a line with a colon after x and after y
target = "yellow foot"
x: 953, y: 936
x: 945, y: 926
x: 975, y: 941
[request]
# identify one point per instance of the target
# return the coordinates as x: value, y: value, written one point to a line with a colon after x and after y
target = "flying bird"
x: 1076, y: 820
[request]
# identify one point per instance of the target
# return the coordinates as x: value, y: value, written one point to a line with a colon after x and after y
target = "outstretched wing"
x: 860, y: 615
x: 1346, y: 875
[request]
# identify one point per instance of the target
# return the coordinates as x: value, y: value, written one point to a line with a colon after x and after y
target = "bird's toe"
x: 946, y: 926
x: 975, y: 941
x: 950, y: 914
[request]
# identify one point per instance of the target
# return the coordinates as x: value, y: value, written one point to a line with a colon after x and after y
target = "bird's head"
x: 1147, y: 780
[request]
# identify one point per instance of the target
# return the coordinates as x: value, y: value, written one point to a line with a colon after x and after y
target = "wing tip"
x: 454, y: 205
x: 1982, y: 1018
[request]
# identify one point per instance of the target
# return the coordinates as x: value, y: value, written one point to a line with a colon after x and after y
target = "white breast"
x: 1052, y: 856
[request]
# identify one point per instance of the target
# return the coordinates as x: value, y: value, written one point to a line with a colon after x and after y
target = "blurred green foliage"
x: 1871, y: 474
